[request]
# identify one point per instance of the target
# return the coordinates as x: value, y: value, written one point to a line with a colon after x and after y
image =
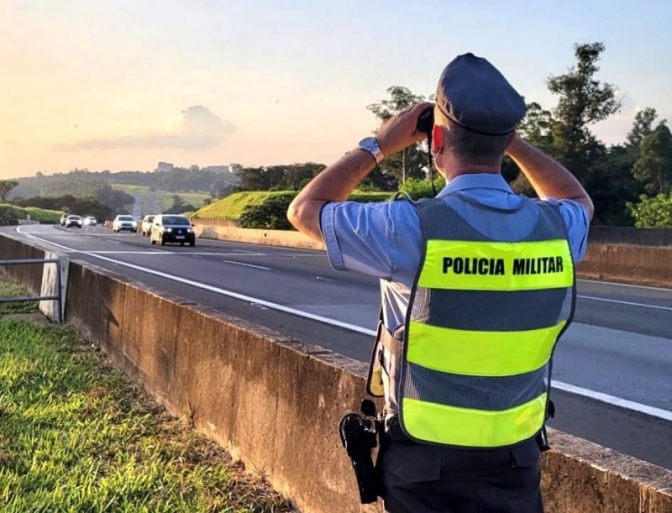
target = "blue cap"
x: 475, y: 95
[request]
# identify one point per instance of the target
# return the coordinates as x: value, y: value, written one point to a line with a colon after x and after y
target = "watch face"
x: 368, y: 143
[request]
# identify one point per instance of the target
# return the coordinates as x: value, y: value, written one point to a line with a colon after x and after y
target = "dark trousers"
x: 418, y: 478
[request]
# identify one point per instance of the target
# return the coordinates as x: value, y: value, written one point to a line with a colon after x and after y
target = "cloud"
x: 196, y: 128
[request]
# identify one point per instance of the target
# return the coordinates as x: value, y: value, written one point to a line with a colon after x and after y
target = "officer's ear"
x: 437, y: 139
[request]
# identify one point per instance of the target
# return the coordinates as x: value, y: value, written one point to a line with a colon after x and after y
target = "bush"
x: 270, y: 215
x: 653, y: 212
x: 418, y: 189
x: 8, y: 216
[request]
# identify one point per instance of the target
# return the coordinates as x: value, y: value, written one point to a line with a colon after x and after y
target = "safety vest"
x: 482, y: 324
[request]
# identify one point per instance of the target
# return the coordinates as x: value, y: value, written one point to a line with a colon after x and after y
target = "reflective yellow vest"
x: 482, y: 324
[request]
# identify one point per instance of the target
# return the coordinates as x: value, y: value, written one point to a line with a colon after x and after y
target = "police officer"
x: 477, y: 287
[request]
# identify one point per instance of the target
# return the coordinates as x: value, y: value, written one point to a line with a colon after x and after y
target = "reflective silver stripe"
x: 440, y: 221
x: 476, y: 392
x: 498, y: 311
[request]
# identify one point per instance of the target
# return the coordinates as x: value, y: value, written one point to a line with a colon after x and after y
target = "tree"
x: 6, y: 187
x: 298, y: 174
x: 537, y: 127
x: 411, y: 162
x: 654, y: 166
x: 584, y: 101
x: 653, y: 212
x: 177, y: 202
x: 642, y: 126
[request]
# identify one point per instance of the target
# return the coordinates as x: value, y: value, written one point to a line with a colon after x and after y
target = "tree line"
x: 82, y: 182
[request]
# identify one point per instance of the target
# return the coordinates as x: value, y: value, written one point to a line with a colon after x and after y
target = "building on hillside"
x: 163, y: 167
x: 218, y: 169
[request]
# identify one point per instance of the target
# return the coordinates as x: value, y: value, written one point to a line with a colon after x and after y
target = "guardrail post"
x: 54, y: 283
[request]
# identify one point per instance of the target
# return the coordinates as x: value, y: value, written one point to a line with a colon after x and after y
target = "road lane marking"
x: 246, y: 265
x: 631, y: 285
x: 592, y: 394
x: 628, y: 303
x: 613, y: 400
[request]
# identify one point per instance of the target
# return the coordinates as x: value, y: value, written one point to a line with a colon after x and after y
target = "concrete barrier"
x: 268, y: 237
x: 641, y: 265
x: 275, y: 402
x: 30, y: 275
x: 630, y: 236
x: 644, y: 265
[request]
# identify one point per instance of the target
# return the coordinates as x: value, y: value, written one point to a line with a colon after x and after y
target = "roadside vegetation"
x: 76, y: 435
x: 9, y: 290
x: 10, y: 214
x: 268, y: 210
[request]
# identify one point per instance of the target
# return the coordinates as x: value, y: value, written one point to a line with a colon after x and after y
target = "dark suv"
x: 172, y: 228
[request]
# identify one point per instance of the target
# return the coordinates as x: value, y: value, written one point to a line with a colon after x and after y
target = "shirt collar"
x: 476, y: 181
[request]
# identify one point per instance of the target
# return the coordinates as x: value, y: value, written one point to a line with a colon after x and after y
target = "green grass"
x: 232, y: 206
x: 8, y: 290
x: 36, y: 214
x: 75, y: 435
x: 165, y: 198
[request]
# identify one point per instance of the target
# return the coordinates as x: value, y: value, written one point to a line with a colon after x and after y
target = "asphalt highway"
x: 612, y: 370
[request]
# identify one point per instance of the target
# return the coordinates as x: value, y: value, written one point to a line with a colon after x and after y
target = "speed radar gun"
x: 359, y: 434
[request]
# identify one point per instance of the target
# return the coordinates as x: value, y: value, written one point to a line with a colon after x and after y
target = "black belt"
x: 394, y: 432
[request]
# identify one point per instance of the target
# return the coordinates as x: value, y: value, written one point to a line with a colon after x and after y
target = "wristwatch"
x: 370, y: 144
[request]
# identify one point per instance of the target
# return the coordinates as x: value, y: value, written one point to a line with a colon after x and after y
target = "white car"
x: 90, y: 221
x: 75, y: 221
x: 124, y: 222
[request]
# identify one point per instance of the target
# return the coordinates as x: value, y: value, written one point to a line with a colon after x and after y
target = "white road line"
x: 246, y: 265
x: 628, y: 303
x: 592, y: 394
x: 631, y: 285
x: 616, y: 401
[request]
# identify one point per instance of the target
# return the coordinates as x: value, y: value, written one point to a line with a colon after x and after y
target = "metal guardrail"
x: 59, y: 295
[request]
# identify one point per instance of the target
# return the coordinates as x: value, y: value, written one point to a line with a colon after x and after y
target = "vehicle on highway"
x: 90, y: 221
x: 146, y: 226
x: 63, y: 218
x: 75, y: 221
x: 172, y: 228
x: 124, y: 222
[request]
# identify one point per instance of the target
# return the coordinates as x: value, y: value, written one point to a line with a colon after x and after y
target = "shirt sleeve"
x: 364, y: 237
x: 578, y: 225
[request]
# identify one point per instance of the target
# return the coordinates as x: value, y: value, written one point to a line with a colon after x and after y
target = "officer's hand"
x: 399, y: 132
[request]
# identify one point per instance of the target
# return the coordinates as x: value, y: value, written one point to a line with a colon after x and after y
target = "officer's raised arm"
x: 548, y: 177
x: 339, y: 180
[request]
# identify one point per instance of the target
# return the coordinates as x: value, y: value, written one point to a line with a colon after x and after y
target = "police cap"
x: 474, y: 94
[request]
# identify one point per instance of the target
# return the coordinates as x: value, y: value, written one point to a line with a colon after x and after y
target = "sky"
x: 124, y: 84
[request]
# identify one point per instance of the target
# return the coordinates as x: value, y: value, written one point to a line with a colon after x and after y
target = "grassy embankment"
x: 164, y: 198
x: 232, y: 206
x: 76, y: 435
x: 36, y: 214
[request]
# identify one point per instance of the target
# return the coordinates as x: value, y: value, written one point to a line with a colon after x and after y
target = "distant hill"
x: 87, y: 183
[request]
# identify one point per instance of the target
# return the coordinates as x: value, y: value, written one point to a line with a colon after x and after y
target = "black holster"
x: 359, y: 437
x: 542, y: 437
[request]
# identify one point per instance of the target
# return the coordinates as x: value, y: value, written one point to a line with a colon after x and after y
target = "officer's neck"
x: 453, y: 172
x: 453, y: 166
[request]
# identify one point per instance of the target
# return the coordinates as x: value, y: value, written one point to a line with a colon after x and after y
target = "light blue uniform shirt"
x: 383, y: 239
